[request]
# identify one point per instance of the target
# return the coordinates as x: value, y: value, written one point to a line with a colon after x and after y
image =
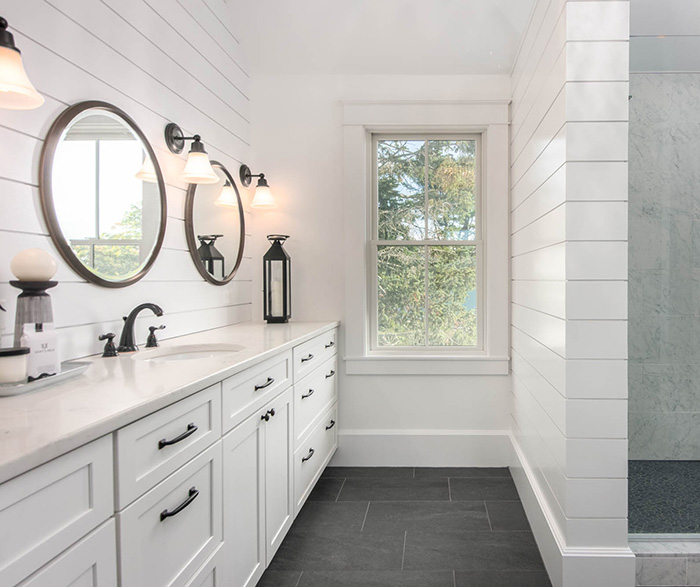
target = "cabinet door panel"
x: 211, y: 574
x: 152, y: 448
x: 314, y: 454
x: 158, y: 550
x: 279, y: 477
x: 312, y: 353
x: 246, y: 392
x: 312, y: 396
x: 244, y: 503
x: 92, y: 562
x: 44, y: 511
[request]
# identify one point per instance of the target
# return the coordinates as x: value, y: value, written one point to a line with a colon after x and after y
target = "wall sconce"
x: 16, y: 91
x: 147, y: 171
x: 263, y: 196
x: 198, y: 168
x: 228, y: 197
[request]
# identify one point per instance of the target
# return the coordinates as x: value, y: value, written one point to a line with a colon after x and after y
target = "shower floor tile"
x: 664, y: 497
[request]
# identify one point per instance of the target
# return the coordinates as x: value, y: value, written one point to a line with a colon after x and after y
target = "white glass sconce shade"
x: 199, y: 169
x: 16, y: 91
x: 227, y: 198
x: 147, y: 171
x: 263, y: 198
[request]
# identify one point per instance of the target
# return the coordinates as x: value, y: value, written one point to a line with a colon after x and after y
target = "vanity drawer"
x: 46, y: 510
x: 312, y: 353
x: 167, y: 534
x: 92, y: 562
x: 249, y: 390
x: 151, y: 448
x: 211, y: 573
x: 312, y: 396
x: 313, y: 455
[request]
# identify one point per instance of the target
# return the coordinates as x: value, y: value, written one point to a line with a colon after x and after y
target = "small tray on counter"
x: 68, y: 369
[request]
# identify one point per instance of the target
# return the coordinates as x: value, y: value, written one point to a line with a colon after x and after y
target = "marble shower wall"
x: 664, y: 266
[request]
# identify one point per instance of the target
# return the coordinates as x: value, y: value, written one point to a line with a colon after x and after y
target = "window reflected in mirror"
x: 103, y: 198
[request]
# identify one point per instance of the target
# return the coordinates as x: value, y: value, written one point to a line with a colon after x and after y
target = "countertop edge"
x: 62, y: 445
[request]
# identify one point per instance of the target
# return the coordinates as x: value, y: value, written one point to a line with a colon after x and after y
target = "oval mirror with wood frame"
x: 215, y: 227
x: 102, y: 194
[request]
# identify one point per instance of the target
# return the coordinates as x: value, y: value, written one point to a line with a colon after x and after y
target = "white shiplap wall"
x: 569, y: 289
x: 159, y: 61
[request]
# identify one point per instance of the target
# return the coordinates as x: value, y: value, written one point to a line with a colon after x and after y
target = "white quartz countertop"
x: 113, y: 392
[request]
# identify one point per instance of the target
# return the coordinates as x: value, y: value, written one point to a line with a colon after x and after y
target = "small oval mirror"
x: 102, y: 194
x: 215, y: 227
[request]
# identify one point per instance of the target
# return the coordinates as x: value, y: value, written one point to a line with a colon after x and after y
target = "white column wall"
x: 569, y: 287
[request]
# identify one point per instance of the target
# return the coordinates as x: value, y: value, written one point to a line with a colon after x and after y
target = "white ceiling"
x: 381, y: 36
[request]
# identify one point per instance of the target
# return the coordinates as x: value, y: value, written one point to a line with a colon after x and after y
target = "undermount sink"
x: 187, y: 352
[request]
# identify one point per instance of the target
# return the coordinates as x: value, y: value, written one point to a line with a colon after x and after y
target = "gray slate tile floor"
x: 409, y: 527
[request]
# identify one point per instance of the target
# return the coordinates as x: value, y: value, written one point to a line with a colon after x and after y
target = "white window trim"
x: 360, y: 122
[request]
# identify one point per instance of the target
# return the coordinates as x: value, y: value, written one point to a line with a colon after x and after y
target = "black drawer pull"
x: 194, y: 492
x: 270, y: 381
x: 330, y: 344
x: 269, y: 413
x: 330, y: 425
x: 330, y: 374
x: 307, y: 358
x: 311, y: 392
x: 307, y: 457
x: 191, y: 429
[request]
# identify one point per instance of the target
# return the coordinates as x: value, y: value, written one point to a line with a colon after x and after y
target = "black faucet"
x: 126, y: 342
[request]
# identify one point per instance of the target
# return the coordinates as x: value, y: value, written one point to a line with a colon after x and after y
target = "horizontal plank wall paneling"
x: 160, y: 61
x: 569, y: 287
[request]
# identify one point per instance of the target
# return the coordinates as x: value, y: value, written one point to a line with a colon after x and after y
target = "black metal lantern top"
x: 277, y: 281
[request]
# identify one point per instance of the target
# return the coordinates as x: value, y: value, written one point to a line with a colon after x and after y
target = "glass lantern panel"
x: 276, y: 288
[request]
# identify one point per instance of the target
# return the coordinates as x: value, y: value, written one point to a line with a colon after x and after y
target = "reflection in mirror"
x: 215, y: 227
x: 103, y: 198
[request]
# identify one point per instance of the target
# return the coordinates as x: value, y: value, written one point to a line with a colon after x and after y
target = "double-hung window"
x: 426, y: 248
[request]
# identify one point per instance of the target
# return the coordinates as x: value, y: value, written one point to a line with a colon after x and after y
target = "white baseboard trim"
x: 423, y: 448
x: 567, y: 567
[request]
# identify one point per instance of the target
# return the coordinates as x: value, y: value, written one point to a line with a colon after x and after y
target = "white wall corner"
x: 567, y: 566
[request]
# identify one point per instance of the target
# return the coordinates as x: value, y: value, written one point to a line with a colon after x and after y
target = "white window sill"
x: 427, y: 365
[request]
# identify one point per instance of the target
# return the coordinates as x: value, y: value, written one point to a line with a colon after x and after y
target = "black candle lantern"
x: 208, y: 253
x: 277, y: 281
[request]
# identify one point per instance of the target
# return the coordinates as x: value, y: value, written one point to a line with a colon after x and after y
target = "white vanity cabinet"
x: 89, y: 563
x: 200, y: 493
x: 152, y: 448
x: 48, y: 509
x: 168, y: 533
x: 315, y: 412
x: 211, y: 574
x: 313, y: 455
x: 258, y: 489
x: 310, y: 354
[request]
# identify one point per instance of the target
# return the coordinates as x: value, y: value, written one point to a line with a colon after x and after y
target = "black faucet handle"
x: 152, y: 341
x: 110, y: 350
